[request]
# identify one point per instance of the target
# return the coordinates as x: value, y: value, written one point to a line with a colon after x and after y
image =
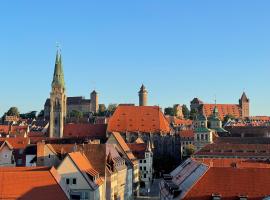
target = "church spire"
x: 58, y: 76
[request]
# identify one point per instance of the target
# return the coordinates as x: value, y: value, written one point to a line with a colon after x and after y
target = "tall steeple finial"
x: 58, y: 76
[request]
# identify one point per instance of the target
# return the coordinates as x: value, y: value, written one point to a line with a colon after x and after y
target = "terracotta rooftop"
x: 16, y: 143
x: 230, y: 162
x: 97, y: 131
x: 138, y: 119
x: 138, y: 150
x: 176, y: 121
x: 186, y: 133
x: 230, y: 183
x: 29, y: 183
x: 223, y: 110
x: 234, y: 150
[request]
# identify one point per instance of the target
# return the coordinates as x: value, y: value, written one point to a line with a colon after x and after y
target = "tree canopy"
x: 186, y: 112
x: 13, y: 111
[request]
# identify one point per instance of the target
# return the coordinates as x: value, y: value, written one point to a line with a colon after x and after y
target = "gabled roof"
x: 86, y: 168
x: 16, y: 143
x: 124, y: 147
x: 146, y: 119
x: 29, y: 183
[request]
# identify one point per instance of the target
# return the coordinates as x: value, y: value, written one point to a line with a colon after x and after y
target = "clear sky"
x: 178, y: 49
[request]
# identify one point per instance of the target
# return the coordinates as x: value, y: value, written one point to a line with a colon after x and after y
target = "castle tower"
x: 143, y: 94
x: 58, y: 100
x: 94, y: 102
x: 244, y: 105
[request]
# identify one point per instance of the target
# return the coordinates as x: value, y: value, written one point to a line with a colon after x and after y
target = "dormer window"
x: 216, y: 197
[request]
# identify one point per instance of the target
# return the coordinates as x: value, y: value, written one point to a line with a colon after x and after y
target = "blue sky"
x: 178, y: 49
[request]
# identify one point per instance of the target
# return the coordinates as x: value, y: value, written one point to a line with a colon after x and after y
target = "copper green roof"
x: 202, y: 130
x: 58, y: 76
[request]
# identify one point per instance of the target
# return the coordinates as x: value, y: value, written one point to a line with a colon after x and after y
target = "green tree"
x: 190, y: 150
x: 41, y: 114
x: 193, y: 113
x: 111, y: 108
x: 102, y: 110
x: 186, y: 112
x: 13, y: 111
x: 29, y: 115
x: 76, y: 114
x: 169, y: 111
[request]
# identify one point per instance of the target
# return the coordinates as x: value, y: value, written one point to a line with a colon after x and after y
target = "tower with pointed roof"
x: 94, y: 102
x: 143, y: 95
x: 244, y: 105
x: 58, y: 100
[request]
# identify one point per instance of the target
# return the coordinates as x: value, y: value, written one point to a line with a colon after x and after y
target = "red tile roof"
x: 29, y: 183
x: 223, y: 109
x: 138, y: 150
x: 138, y: 119
x: 233, y: 150
x: 178, y: 122
x: 4, y: 128
x: 186, y: 133
x: 85, y: 130
x: 231, y: 182
x: 16, y: 143
x: 229, y: 162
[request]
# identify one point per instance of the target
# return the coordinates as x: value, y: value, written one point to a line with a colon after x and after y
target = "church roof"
x: 147, y: 119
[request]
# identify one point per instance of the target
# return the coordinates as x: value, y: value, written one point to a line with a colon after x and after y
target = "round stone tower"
x: 143, y: 95
x: 94, y: 102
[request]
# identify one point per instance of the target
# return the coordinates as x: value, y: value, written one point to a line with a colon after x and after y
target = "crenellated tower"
x: 58, y: 100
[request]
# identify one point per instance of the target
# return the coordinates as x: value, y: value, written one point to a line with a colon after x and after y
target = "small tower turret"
x: 244, y: 105
x: 143, y: 95
x: 94, y: 102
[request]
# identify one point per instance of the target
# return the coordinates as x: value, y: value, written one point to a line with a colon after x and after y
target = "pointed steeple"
x: 58, y: 76
x: 244, y: 97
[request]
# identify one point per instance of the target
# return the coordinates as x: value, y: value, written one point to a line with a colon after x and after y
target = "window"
x: 144, y: 168
x: 144, y: 176
x: 86, y: 196
x: 49, y: 155
x: 5, y: 156
x: 19, y: 161
x: 140, y: 168
x: 21, y: 151
x: 74, y: 181
x: 206, y: 137
x: 67, y: 181
x: 144, y: 161
x: 140, y: 161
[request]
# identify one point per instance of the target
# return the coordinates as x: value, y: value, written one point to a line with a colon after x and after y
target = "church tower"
x: 58, y: 100
x: 94, y: 102
x: 143, y: 95
x: 244, y: 105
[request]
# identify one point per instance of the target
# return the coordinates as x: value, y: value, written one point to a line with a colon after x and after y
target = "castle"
x: 240, y: 110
